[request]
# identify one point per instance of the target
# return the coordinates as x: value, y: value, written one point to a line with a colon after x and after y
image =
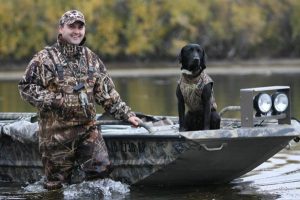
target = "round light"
x: 280, y: 102
x: 263, y: 103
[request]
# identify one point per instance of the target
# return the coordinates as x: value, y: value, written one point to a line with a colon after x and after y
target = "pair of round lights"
x: 263, y: 102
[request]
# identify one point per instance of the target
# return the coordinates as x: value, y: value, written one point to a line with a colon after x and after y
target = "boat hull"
x: 184, y: 162
x: 164, y: 157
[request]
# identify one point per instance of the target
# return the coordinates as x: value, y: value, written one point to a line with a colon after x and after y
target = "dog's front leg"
x: 181, y: 108
x: 206, y: 97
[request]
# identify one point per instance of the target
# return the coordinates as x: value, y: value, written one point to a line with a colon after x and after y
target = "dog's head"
x: 193, y: 59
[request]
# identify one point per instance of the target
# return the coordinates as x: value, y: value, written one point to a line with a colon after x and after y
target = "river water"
x: 278, y: 178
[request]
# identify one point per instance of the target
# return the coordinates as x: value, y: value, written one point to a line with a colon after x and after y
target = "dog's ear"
x: 203, y: 59
x: 179, y: 56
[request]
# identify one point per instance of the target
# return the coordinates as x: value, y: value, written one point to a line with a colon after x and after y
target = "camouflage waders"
x: 82, y: 145
x: 64, y: 82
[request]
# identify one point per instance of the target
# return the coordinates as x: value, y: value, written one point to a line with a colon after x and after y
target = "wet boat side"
x: 193, y: 158
x: 163, y: 157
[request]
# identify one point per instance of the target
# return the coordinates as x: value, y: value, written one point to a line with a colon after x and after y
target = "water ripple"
x: 279, y: 176
x: 98, y: 189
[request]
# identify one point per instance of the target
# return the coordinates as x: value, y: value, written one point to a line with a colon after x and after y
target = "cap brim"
x: 76, y: 20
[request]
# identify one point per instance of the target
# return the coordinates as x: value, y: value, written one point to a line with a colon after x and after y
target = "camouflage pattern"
x: 64, y: 82
x: 163, y: 156
x: 61, y: 147
x: 192, y: 88
x: 70, y: 17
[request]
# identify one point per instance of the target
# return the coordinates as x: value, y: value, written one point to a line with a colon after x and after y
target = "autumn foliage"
x: 156, y: 29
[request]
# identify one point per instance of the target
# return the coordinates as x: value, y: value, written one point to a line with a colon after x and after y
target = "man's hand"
x: 134, y: 120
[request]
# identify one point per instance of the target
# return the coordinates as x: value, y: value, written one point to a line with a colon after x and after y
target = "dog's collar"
x: 187, y: 72
x: 191, y: 74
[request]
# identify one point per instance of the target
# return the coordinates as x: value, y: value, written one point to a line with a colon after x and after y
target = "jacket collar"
x: 69, y: 50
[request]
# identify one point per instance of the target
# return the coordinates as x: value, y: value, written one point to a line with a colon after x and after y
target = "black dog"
x: 195, y: 89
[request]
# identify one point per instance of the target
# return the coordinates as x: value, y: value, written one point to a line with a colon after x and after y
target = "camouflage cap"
x: 70, y: 17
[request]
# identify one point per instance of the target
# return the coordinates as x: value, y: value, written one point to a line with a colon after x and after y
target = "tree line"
x: 157, y: 29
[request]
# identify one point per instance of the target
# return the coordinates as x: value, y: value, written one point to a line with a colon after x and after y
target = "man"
x: 64, y: 81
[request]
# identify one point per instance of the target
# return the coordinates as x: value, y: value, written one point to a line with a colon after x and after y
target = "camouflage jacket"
x: 65, y: 71
x: 192, y: 88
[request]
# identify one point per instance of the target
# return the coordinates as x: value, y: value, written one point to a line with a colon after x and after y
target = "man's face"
x: 73, y: 33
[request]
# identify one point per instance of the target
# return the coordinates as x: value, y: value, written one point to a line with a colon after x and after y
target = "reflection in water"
x: 157, y: 95
x: 278, y: 178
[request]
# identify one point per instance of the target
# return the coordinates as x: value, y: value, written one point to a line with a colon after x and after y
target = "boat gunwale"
x: 181, y: 137
x: 292, y: 130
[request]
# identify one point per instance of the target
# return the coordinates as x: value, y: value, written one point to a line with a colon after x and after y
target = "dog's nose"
x: 196, y: 56
x: 196, y: 60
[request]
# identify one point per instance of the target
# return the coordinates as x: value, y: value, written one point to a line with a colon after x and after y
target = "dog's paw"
x: 182, y: 129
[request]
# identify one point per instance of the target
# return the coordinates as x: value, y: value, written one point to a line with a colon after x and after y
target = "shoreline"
x: 172, y: 68
x: 174, y: 62
x: 165, y: 72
